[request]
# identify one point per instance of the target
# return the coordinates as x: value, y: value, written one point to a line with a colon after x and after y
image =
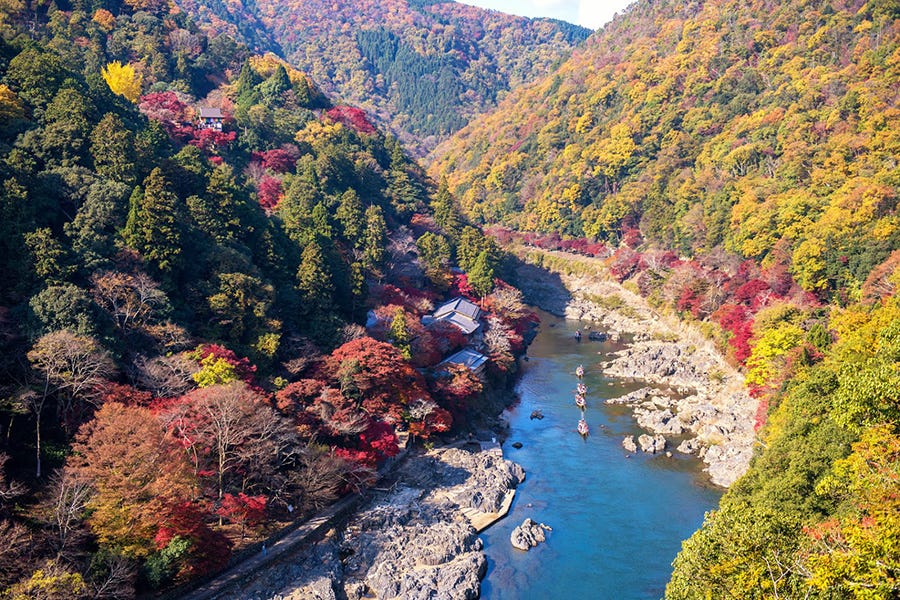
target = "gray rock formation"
x: 659, y: 421
x: 528, y: 535
x: 628, y: 444
x: 409, y: 544
x: 652, y: 445
x: 690, y: 446
x: 632, y: 398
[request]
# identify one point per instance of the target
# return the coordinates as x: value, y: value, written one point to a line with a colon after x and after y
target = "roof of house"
x: 467, y: 325
x: 460, y: 312
x: 468, y: 358
x: 207, y: 112
x: 459, y: 305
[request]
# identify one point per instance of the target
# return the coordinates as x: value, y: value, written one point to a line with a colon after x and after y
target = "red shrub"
x: 123, y: 394
x: 269, y: 193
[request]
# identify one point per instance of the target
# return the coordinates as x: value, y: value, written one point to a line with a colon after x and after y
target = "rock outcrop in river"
x: 693, y: 392
x: 528, y: 535
x: 412, y: 542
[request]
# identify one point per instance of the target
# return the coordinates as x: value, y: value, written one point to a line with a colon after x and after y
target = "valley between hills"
x: 263, y: 260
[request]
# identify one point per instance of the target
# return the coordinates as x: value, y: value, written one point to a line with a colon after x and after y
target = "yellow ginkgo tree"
x: 123, y: 80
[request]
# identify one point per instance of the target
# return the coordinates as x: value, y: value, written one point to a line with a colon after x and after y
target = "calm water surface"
x: 617, y: 522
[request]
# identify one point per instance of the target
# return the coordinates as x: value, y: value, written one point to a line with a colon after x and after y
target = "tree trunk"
x: 37, y: 430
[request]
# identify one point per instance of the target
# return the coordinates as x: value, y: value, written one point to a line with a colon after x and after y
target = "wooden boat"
x: 583, y: 428
x: 579, y: 371
x: 580, y: 402
x: 582, y: 389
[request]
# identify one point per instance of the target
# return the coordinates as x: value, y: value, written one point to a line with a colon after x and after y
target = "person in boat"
x: 583, y: 427
x: 582, y: 389
x: 579, y: 371
x: 579, y: 401
x: 578, y: 335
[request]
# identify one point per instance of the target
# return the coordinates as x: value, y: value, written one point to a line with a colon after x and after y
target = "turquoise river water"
x: 617, y: 521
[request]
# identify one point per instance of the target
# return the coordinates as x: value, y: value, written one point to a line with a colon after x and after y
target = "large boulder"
x: 628, y: 444
x: 659, y: 421
x: 652, y: 445
x: 528, y: 535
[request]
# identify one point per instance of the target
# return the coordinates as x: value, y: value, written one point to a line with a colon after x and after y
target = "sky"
x: 589, y: 13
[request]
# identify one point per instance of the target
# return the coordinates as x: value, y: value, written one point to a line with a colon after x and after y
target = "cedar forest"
x: 183, y: 365
x: 183, y: 303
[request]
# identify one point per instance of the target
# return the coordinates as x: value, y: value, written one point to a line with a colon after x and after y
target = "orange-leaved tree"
x: 138, y: 473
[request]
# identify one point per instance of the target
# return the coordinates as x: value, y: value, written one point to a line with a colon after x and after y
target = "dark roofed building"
x: 211, y: 118
x: 472, y: 360
x: 461, y: 312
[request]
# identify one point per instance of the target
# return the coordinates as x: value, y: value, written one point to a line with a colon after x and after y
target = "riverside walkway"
x: 302, y: 534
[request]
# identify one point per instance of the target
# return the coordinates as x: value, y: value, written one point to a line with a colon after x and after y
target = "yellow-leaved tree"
x: 123, y: 80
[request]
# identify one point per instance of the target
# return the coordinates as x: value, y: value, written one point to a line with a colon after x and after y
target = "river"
x: 617, y: 521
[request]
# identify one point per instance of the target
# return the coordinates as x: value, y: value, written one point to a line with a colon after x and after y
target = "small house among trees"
x: 211, y: 118
x: 459, y: 311
x: 472, y: 360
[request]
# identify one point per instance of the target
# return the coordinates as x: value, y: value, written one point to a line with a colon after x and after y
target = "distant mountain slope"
x: 425, y: 68
x: 772, y: 128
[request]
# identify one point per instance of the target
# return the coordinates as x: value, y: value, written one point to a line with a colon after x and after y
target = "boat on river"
x: 579, y: 371
x: 580, y: 401
x: 582, y: 389
x: 583, y: 429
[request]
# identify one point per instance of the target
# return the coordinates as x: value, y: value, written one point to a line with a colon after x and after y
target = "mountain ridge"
x: 423, y: 68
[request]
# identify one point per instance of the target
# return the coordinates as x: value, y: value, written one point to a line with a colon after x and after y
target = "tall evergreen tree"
x: 350, y: 217
x: 275, y: 86
x: 314, y: 279
x: 112, y: 148
x: 154, y: 223
x: 481, y: 275
x: 245, y: 93
x: 447, y: 215
x: 315, y: 283
x: 216, y: 211
x: 375, y: 238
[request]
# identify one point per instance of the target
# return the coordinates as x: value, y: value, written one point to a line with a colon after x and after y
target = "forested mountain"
x: 191, y: 236
x: 423, y: 67
x: 769, y: 128
x: 737, y: 162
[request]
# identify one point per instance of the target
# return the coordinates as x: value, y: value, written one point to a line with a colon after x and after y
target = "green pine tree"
x: 375, y: 238
x: 400, y: 333
x: 481, y: 275
x: 154, y: 223
x: 112, y: 148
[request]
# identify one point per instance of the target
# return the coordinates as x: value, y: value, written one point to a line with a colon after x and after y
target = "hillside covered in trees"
x: 191, y: 236
x: 423, y: 67
x: 769, y: 129
x: 736, y: 163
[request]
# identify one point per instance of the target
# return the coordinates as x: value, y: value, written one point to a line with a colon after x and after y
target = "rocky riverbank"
x: 412, y: 541
x: 694, y: 394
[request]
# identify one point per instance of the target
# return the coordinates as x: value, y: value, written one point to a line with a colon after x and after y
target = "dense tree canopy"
x: 765, y: 128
